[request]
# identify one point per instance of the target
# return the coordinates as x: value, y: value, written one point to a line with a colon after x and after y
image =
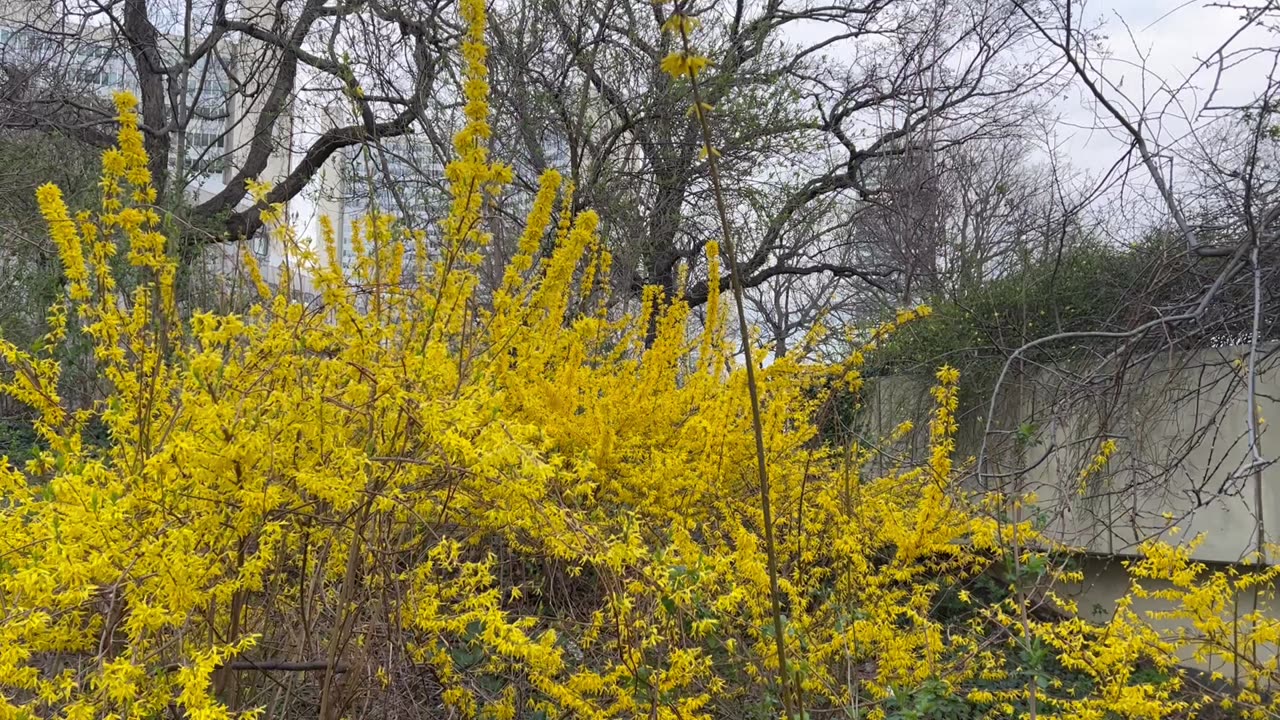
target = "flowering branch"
x: 685, y: 63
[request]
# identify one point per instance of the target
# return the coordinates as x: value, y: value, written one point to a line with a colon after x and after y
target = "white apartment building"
x: 85, y: 59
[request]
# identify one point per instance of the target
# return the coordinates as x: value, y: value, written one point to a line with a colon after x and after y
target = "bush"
x: 406, y: 502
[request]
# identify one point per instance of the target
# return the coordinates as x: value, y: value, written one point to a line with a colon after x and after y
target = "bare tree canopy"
x: 814, y: 102
x: 230, y: 92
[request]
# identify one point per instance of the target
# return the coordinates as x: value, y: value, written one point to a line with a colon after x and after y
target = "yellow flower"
x: 680, y: 24
x: 1099, y: 461
x: 948, y: 375
x: 678, y: 64
x: 420, y: 466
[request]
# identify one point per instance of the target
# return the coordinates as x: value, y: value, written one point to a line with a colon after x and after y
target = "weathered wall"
x: 1181, y: 425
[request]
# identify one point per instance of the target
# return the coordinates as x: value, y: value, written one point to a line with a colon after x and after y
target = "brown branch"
x: 270, y: 666
x: 697, y: 294
x: 245, y: 223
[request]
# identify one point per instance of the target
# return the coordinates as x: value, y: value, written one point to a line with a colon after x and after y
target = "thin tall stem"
x: 789, y: 702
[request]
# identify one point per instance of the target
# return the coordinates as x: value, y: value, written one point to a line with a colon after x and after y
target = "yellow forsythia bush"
x: 410, y: 500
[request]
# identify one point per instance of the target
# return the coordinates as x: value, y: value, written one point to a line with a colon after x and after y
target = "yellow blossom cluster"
x: 1098, y: 462
x: 684, y: 63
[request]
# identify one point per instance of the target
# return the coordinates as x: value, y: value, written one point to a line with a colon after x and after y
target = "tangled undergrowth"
x: 409, y: 500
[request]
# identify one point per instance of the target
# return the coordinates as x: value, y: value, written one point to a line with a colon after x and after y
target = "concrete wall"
x: 1181, y: 424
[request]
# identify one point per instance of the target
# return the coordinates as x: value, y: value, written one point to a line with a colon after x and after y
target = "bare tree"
x: 1197, y: 323
x: 805, y: 119
x: 230, y: 92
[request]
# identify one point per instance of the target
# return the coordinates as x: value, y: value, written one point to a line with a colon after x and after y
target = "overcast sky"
x: 1172, y: 40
